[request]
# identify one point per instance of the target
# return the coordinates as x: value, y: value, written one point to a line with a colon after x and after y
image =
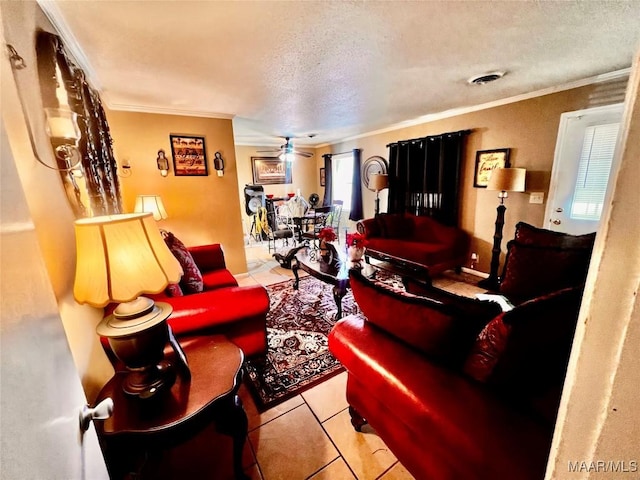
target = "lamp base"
x: 148, y: 382
x: 489, y: 283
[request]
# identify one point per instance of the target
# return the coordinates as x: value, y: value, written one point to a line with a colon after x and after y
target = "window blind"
x: 593, y: 171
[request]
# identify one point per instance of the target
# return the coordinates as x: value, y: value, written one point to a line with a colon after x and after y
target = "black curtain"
x: 356, y: 191
x: 328, y: 188
x: 424, y: 176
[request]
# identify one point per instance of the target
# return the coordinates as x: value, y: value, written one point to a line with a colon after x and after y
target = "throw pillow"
x: 531, y: 271
x: 174, y: 290
x: 487, y: 349
x: 192, y: 278
x: 529, y: 235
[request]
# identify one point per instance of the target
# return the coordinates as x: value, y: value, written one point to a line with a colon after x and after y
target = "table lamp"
x: 152, y: 204
x: 119, y: 257
x: 378, y: 182
x: 504, y: 180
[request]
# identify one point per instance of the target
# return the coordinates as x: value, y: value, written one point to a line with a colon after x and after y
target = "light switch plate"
x: 536, y: 197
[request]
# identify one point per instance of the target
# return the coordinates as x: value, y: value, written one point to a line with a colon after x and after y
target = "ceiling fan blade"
x: 303, y: 154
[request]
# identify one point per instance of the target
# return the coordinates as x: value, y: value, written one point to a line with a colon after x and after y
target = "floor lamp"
x: 377, y: 183
x: 504, y: 180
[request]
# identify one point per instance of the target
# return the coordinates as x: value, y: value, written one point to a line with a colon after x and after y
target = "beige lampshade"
x: 378, y: 181
x: 507, y: 179
x: 151, y: 203
x: 120, y: 257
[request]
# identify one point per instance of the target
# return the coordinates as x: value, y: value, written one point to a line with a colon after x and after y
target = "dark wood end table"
x: 138, y: 427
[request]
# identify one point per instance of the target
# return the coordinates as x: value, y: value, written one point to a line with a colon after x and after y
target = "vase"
x: 326, y: 251
x: 354, y: 253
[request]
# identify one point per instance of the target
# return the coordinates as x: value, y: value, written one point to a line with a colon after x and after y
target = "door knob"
x: 556, y: 221
x: 102, y: 411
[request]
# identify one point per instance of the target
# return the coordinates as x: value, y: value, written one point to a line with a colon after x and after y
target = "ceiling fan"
x: 287, y: 152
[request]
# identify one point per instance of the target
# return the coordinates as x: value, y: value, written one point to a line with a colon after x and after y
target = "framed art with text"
x: 486, y: 162
x: 270, y: 171
x: 189, y: 155
x: 323, y: 178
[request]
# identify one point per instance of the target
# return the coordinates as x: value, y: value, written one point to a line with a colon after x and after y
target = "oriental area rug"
x: 298, y: 357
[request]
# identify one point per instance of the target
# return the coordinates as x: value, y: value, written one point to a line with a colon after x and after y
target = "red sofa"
x: 455, y: 387
x: 438, y: 411
x: 416, y: 241
x: 208, y: 300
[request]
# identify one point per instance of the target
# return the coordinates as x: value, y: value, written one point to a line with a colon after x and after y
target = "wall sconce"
x: 61, y: 126
x: 163, y: 163
x: 125, y: 169
x: 218, y: 164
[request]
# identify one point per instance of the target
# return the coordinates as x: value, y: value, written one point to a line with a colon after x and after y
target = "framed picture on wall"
x: 189, y: 155
x: 486, y: 162
x: 323, y: 179
x: 270, y: 171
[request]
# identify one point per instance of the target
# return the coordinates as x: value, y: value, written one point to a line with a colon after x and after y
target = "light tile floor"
x: 310, y: 436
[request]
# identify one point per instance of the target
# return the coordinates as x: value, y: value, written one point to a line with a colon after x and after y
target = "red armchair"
x: 208, y: 300
x: 416, y: 241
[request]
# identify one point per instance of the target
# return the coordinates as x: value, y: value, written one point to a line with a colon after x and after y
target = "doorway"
x: 584, y: 159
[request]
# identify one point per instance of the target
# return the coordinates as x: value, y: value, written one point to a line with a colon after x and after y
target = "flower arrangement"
x: 327, y: 234
x: 356, y: 240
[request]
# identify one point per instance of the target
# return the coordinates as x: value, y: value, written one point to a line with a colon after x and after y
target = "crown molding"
x: 605, y: 77
x: 163, y: 111
x: 55, y: 16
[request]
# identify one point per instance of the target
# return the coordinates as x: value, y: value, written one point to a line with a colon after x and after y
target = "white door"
x: 583, y: 160
x: 40, y: 391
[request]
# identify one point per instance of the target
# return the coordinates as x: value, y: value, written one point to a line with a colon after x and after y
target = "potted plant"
x: 326, y: 235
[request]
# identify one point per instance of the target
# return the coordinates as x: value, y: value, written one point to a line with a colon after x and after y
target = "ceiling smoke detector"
x: 485, y: 78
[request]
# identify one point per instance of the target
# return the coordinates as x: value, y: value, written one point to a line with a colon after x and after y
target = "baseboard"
x: 475, y: 272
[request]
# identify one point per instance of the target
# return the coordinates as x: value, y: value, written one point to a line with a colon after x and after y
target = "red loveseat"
x: 208, y: 300
x: 415, y: 241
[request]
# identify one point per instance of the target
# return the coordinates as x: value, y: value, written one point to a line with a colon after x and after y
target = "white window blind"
x: 593, y: 171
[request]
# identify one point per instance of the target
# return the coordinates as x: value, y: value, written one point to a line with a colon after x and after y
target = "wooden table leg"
x: 338, y: 294
x: 232, y: 421
x: 295, y: 267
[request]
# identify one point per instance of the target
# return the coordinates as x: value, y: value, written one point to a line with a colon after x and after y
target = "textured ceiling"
x: 336, y: 69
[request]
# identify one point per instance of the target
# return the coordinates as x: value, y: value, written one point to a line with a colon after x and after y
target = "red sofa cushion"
x: 531, y: 271
x: 530, y: 235
x: 191, y: 281
x: 218, y: 279
x: 523, y: 353
x: 395, y: 225
x: 412, y: 250
x: 443, y: 326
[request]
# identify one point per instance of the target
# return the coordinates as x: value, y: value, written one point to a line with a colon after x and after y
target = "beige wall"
x: 528, y: 127
x: 201, y: 209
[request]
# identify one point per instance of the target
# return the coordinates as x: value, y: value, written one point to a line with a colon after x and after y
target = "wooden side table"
x: 139, y: 427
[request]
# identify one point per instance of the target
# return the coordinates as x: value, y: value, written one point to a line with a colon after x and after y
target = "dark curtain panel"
x: 356, y: 192
x: 98, y: 163
x: 328, y: 186
x: 424, y: 176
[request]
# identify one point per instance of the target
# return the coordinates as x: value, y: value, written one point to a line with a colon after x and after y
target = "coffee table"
x: 334, y: 272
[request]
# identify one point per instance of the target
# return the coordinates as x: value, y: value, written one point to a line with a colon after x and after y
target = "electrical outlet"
x: 475, y: 258
x: 536, y: 197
